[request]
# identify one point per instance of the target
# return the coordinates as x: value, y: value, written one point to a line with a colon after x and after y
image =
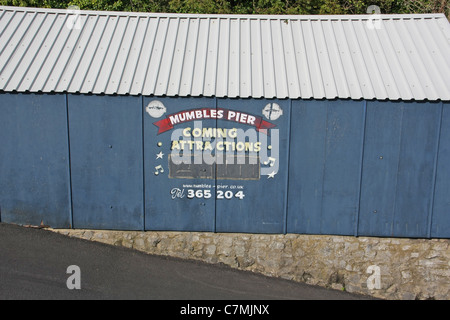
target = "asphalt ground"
x: 34, y: 266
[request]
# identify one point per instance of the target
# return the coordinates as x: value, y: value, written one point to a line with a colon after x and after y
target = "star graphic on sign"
x: 159, y: 155
x: 271, y: 175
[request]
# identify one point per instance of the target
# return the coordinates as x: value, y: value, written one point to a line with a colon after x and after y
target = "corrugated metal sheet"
x: 320, y: 57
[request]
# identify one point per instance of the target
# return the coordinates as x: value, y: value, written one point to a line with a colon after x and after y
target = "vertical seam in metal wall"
x: 436, y: 160
x: 215, y: 177
x: 398, y: 168
x: 323, y: 169
x: 143, y: 163
x: 70, y: 163
x: 288, y: 155
x: 363, y: 138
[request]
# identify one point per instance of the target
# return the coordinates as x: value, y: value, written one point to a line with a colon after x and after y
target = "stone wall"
x: 390, y: 268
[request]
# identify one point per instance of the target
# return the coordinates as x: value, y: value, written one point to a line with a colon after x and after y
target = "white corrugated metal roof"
x: 322, y: 57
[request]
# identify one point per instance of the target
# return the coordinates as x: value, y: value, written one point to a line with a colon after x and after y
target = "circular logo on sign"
x: 272, y: 111
x: 155, y: 109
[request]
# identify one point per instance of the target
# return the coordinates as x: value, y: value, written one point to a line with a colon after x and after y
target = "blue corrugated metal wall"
x: 399, y: 164
x: 325, y: 166
x: 34, y: 160
x: 106, y: 161
x: 363, y: 168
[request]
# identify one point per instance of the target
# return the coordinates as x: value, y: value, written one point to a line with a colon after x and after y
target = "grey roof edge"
x: 328, y: 59
x: 221, y: 97
x: 235, y: 16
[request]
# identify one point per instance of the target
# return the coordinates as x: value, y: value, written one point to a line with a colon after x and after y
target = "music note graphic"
x: 271, y: 161
x: 158, y: 170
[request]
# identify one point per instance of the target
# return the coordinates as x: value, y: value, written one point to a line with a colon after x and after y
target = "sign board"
x: 217, y: 165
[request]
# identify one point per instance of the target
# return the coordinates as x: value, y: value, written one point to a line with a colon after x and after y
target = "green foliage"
x: 290, y: 7
x: 199, y: 6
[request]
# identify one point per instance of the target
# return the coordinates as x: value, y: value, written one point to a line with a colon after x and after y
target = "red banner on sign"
x: 208, y: 113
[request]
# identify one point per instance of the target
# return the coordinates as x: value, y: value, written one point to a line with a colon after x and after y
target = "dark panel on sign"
x: 106, y: 161
x: 325, y: 166
x: 239, y: 167
x: 191, y: 170
x: 253, y: 198
x: 401, y: 144
x: 34, y: 160
x: 440, y: 223
x: 179, y: 170
x: 236, y: 168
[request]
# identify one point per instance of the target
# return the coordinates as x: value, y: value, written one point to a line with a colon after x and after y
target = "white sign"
x: 272, y: 111
x: 155, y: 109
